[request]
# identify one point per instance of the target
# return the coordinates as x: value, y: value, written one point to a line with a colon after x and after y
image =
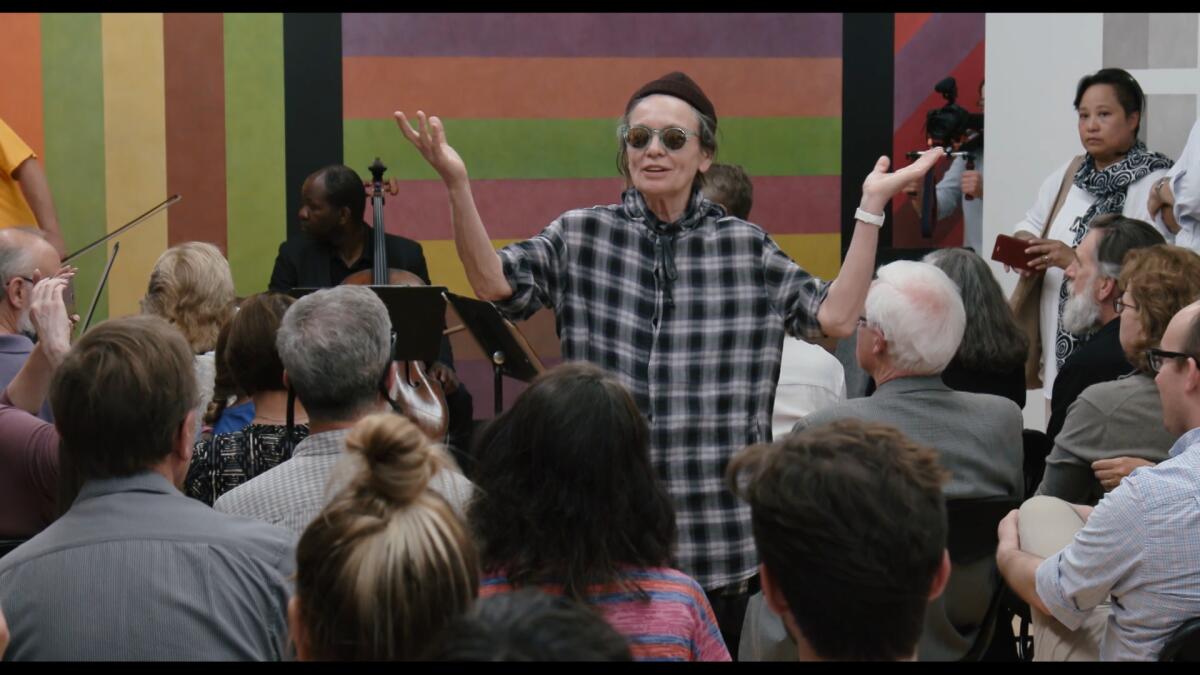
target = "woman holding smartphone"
x: 1114, y: 175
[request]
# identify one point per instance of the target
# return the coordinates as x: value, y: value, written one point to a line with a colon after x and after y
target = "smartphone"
x: 1011, y: 252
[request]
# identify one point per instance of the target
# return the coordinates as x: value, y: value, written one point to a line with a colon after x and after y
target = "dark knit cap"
x: 680, y: 86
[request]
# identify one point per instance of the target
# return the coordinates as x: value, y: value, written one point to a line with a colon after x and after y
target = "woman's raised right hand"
x: 430, y: 140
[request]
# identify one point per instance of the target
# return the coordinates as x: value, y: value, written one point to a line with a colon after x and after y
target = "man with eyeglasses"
x: 22, y: 251
x: 913, y: 326
x: 1090, y: 310
x: 687, y: 313
x: 1138, y: 545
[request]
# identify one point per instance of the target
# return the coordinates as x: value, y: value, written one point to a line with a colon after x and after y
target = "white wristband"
x: 867, y: 217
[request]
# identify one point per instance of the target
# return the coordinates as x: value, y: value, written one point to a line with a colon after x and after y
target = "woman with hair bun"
x: 386, y: 565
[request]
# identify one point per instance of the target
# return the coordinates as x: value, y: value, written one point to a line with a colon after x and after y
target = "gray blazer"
x: 978, y: 439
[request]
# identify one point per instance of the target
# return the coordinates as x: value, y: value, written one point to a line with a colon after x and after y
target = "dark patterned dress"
x: 227, y: 460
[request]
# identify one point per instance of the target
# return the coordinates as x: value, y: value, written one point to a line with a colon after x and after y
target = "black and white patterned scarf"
x: 1108, y: 187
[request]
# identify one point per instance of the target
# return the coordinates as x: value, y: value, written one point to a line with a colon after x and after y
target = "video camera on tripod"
x: 958, y: 132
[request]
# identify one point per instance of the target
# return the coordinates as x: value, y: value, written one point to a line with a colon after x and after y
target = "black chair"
x: 1184, y: 643
x: 1037, y: 446
x: 971, y: 537
x: 7, y: 545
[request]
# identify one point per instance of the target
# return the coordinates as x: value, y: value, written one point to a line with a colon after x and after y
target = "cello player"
x: 336, y: 242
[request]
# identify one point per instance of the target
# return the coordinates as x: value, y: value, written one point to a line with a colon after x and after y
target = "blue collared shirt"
x: 1141, y: 545
x: 137, y: 571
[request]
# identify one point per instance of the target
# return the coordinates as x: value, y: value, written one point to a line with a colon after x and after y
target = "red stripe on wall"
x: 21, y: 88
x: 907, y: 25
x: 193, y: 46
x: 516, y: 209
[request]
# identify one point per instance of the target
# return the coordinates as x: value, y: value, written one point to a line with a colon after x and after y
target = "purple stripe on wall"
x: 941, y: 44
x: 655, y: 35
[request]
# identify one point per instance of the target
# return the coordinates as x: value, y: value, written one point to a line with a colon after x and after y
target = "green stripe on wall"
x: 254, y: 146
x: 73, y: 99
x: 586, y: 148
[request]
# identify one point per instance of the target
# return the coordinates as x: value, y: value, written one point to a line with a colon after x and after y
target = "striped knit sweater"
x: 675, y: 624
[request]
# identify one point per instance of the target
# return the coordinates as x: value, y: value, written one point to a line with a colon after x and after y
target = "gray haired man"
x: 335, y: 345
x: 21, y: 252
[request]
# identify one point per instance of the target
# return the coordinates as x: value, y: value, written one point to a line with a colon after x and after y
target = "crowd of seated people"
x: 216, y: 479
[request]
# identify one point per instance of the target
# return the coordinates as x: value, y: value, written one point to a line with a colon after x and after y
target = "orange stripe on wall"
x: 194, y: 71
x: 21, y: 86
x: 570, y: 88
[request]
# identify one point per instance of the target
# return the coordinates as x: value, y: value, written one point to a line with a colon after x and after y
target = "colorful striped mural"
x: 930, y: 47
x: 125, y: 109
x: 531, y: 102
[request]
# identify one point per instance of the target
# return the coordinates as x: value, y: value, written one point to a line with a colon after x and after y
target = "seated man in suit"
x: 336, y: 243
x: 851, y: 525
x: 913, y: 325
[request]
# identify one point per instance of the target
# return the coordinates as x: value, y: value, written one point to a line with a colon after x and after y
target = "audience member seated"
x: 22, y: 251
x: 991, y: 357
x: 227, y: 460
x: 387, y: 564
x: 569, y: 502
x: 912, y: 329
x: 335, y: 346
x: 530, y: 626
x: 1123, y: 418
x: 29, y: 466
x: 134, y: 570
x: 1092, y: 290
x: 1136, y: 546
x: 230, y: 409
x: 191, y: 287
x: 810, y: 377
x: 850, y: 522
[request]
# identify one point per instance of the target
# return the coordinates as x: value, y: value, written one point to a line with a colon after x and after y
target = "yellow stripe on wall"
x: 135, y: 149
x: 819, y: 254
x: 445, y: 269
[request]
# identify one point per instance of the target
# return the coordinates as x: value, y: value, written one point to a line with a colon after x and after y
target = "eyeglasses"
x: 673, y: 138
x: 1120, y: 305
x: 1155, y: 356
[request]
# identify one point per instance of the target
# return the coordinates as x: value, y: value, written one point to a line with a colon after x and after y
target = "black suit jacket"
x: 1100, y: 359
x: 304, y: 262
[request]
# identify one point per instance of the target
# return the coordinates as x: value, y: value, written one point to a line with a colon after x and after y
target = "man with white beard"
x: 22, y: 250
x: 1089, y: 310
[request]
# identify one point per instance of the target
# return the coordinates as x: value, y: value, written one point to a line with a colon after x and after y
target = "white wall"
x: 1032, y: 63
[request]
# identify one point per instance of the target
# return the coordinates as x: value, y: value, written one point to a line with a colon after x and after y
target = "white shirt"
x: 1075, y: 205
x: 810, y: 379
x: 1185, y: 185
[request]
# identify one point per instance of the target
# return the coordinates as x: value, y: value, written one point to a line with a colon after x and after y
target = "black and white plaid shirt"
x: 690, y: 317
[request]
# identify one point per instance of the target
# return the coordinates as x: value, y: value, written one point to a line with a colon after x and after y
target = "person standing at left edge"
x: 24, y: 191
x: 336, y: 242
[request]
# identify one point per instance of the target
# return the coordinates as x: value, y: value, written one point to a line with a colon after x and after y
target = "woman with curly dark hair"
x: 568, y: 501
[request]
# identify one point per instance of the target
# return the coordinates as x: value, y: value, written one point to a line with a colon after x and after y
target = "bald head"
x: 1178, y: 378
x: 24, y: 249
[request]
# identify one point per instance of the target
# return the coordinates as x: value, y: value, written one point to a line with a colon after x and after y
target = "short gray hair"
x: 16, y: 255
x: 335, y: 345
x: 920, y: 313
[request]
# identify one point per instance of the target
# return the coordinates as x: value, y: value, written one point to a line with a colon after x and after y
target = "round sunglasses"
x: 672, y: 138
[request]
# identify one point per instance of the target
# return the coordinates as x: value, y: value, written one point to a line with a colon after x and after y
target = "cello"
x: 412, y: 392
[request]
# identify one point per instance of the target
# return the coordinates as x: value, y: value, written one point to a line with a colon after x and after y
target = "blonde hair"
x: 386, y: 565
x: 1162, y: 279
x: 192, y: 287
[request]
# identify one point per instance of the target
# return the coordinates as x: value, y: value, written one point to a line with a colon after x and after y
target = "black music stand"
x: 418, y: 316
x: 501, y: 341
